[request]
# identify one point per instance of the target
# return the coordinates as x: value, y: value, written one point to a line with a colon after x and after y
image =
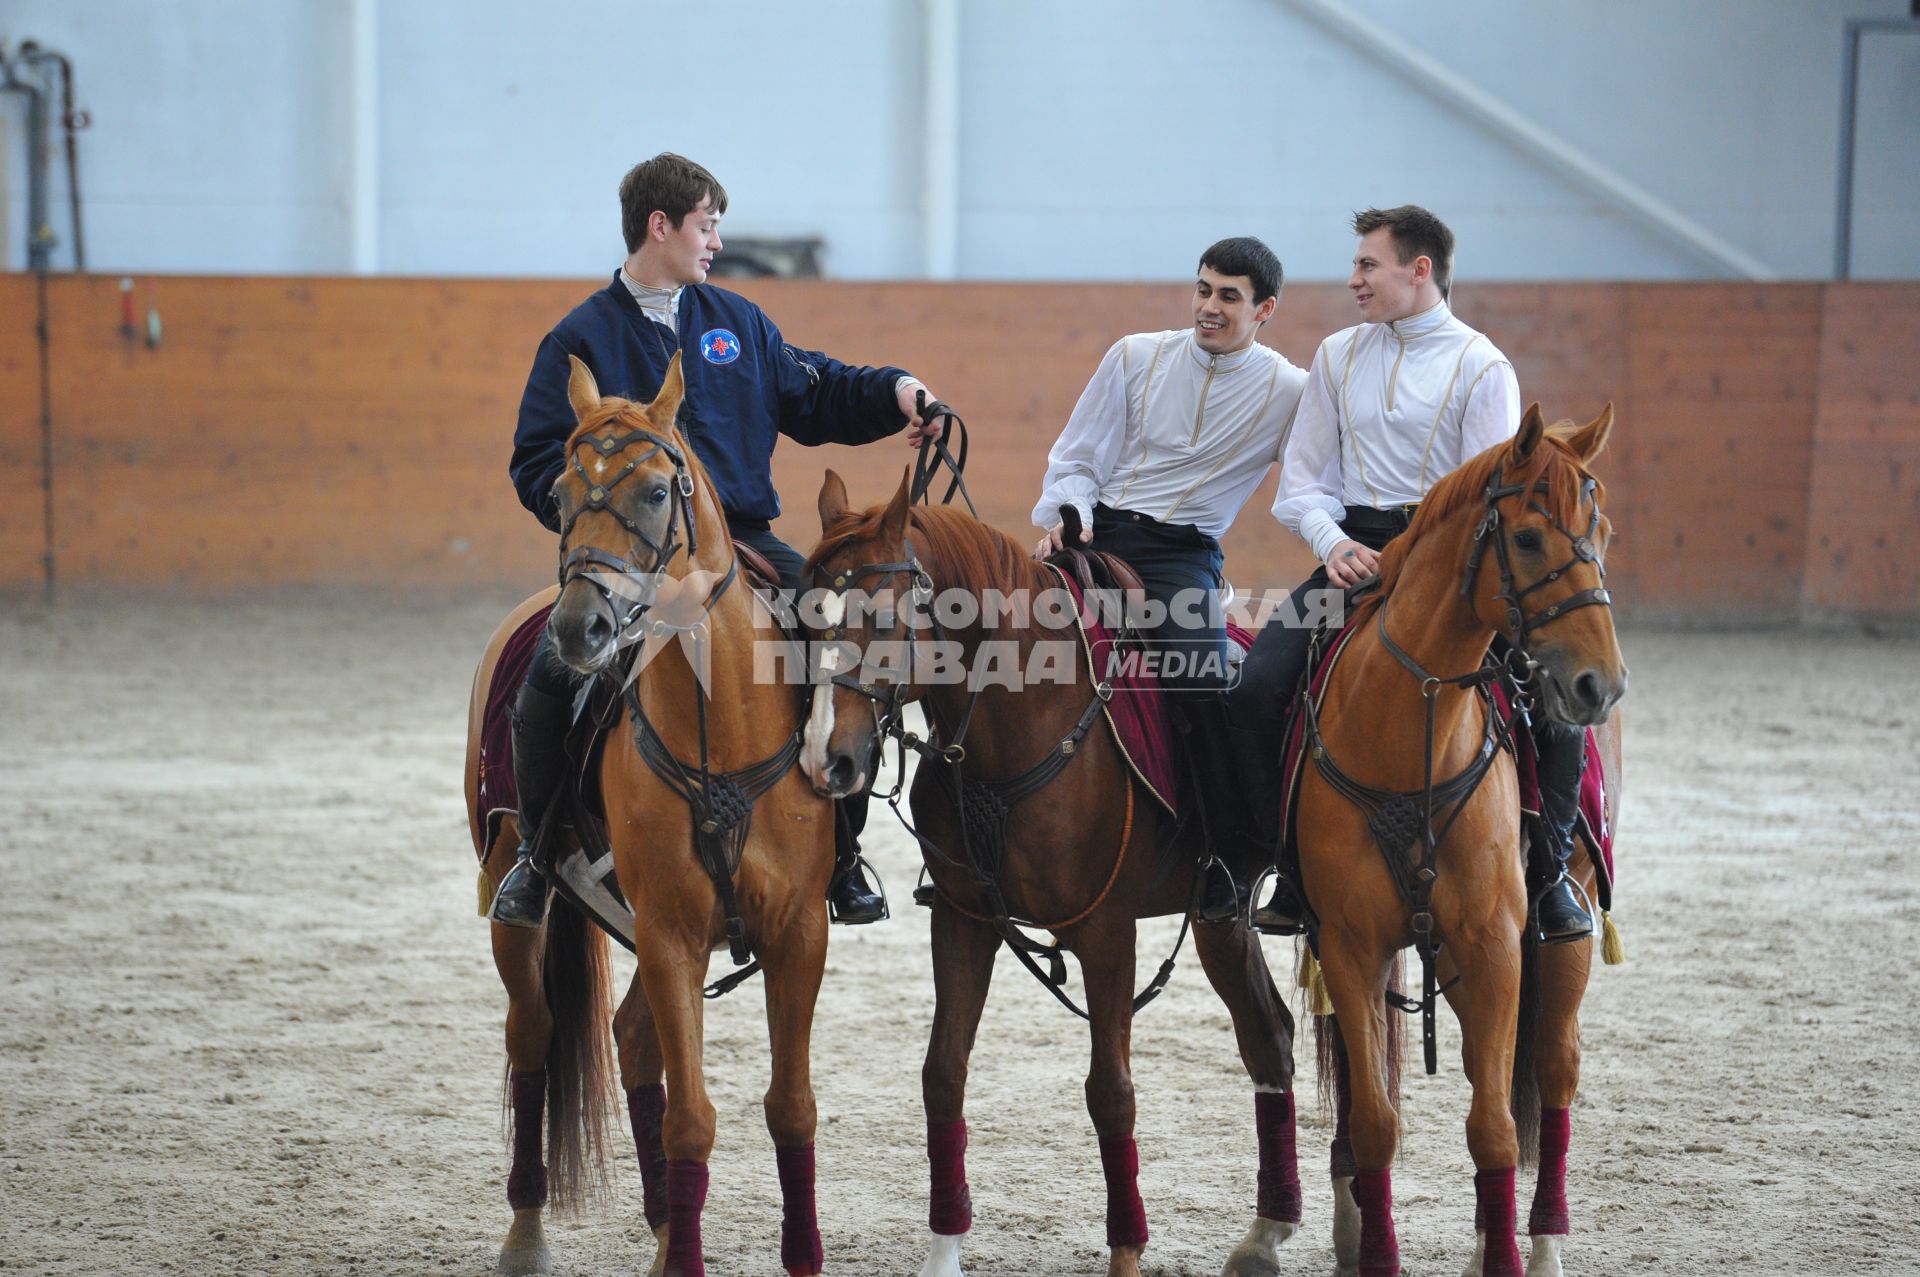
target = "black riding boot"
x: 851, y: 899
x: 540, y: 722
x: 1256, y: 756
x: 1562, y: 754
x: 1232, y: 807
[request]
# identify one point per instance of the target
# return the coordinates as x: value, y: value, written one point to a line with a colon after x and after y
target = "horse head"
x: 626, y: 500
x: 869, y: 592
x: 1536, y: 572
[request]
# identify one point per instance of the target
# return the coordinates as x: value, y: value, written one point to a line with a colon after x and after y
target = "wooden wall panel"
x: 1863, y: 517
x: 293, y: 433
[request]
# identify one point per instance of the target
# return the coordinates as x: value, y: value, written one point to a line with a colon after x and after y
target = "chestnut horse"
x: 1509, y: 544
x: 643, y: 533
x: 1084, y: 855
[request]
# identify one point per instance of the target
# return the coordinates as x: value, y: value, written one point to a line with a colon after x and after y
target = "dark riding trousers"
x: 1174, y: 559
x: 1263, y: 700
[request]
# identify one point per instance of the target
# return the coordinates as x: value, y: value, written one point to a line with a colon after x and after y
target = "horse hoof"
x: 1479, y: 1260
x: 659, y: 1265
x: 525, y: 1251
x: 943, y: 1257
x: 1124, y: 1261
x: 1258, y: 1254
x: 1346, y: 1228
x: 1545, y: 1259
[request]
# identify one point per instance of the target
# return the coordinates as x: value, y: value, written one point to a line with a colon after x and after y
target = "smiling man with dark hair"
x: 1168, y: 441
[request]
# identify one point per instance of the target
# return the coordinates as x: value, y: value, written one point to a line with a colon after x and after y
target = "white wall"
x: 1098, y: 139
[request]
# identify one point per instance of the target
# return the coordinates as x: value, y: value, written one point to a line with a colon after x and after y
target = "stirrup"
x: 1270, y: 919
x: 1211, y: 871
x: 511, y: 891
x: 869, y: 906
x: 1570, y: 936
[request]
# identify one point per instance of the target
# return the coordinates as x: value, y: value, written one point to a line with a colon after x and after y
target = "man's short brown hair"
x: 667, y: 183
x: 1416, y: 233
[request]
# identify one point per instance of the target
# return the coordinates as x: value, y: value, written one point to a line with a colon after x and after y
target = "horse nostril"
x: 840, y: 773
x: 598, y: 631
x: 1587, y: 690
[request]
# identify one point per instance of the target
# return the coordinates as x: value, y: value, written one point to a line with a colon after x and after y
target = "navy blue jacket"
x: 745, y: 386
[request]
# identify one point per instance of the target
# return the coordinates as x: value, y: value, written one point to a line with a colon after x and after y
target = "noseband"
x: 608, y: 573
x: 887, y: 702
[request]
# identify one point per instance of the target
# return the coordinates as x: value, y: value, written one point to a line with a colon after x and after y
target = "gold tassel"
x: 1612, y: 952
x: 486, y: 891
x: 1314, y: 981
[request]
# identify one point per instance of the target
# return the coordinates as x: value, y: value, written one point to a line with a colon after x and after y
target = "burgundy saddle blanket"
x: 497, y: 790
x: 1137, y: 711
x: 1593, y: 793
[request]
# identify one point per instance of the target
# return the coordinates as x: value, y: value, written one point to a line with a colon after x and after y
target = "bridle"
x: 888, y: 700
x: 610, y: 575
x: 1520, y: 623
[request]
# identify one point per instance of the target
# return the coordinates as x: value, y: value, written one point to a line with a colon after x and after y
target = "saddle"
x: 582, y: 864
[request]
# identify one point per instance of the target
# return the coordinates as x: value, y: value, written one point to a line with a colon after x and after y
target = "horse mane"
x: 970, y: 555
x: 1553, y: 460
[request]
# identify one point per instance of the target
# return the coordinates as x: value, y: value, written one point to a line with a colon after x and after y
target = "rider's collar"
x: 1218, y: 363
x: 1420, y: 325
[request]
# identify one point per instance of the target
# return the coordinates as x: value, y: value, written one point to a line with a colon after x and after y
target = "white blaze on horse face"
x: 819, y: 728
x: 833, y: 607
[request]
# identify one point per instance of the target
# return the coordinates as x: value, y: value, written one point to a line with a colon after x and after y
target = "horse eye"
x: 656, y: 496
x: 1527, y: 539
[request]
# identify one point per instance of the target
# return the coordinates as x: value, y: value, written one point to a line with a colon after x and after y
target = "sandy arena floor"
x: 249, y: 1024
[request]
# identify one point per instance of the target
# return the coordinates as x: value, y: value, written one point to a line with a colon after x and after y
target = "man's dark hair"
x: 1416, y: 233
x: 667, y: 183
x: 1245, y: 255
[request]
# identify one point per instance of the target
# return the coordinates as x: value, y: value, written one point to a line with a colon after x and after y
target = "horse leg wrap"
x: 1493, y: 1215
x: 686, y: 1197
x: 527, y: 1180
x: 950, y: 1206
x: 1549, y: 1213
x: 1126, y: 1215
x: 1379, y: 1248
x: 800, y: 1252
x: 646, y: 1110
x: 1279, y: 1192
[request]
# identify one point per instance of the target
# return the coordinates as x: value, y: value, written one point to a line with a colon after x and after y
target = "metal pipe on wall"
x: 363, y: 199
x: 940, y: 137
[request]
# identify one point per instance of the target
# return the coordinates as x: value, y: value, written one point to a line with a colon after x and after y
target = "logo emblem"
x: 719, y: 346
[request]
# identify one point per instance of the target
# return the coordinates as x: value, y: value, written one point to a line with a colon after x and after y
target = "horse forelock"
x: 1553, y: 460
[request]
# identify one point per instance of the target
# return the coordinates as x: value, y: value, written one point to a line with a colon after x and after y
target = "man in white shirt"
x: 1169, y: 439
x: 1390, y: 406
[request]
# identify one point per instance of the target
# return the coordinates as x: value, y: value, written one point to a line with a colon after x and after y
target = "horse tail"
x: 1524, y: 1098
x: 1396, y: 1041
x: 580, y: 1068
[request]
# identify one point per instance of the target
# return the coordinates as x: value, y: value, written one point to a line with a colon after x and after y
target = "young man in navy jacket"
x: 745, y: 387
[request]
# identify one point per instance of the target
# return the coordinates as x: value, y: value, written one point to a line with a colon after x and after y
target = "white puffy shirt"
x: 1166, y: 430
x: 1388, y: 409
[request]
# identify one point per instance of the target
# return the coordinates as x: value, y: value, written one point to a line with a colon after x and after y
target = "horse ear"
x: 673, y: 388
x: 1532, y: 429
x: 582, y: 391
x: 833, y: 500
x: 1590, y: 439
x: 894, y: 521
